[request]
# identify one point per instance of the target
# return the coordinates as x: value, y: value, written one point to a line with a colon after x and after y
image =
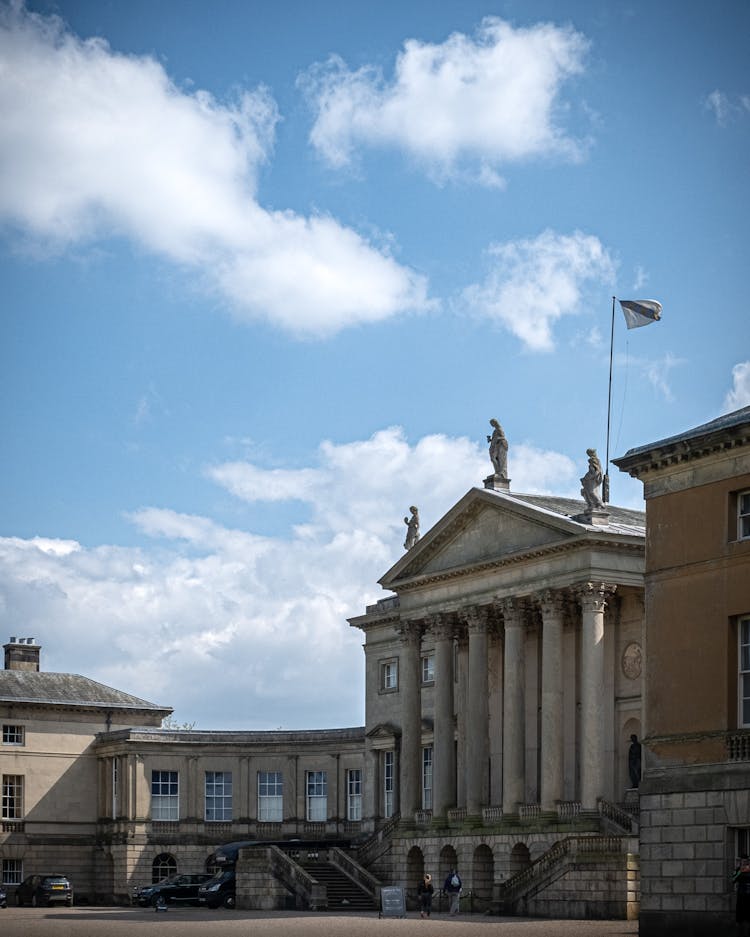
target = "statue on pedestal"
x: 498, y: 450
x: 412, y: 528
x: 592, y: 482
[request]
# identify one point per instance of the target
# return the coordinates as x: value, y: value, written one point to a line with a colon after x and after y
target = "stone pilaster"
x: 477, y: 713
x: 410, y: 763
x: 551, y: 604
x: 514, y: 722
x: 593, y: 599
x: 444, y: 744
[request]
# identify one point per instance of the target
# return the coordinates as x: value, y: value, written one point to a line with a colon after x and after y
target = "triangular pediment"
x: 481, y: 528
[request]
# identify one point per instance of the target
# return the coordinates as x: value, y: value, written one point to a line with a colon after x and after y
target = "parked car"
x: 3, y: 898
x: 44, y: 888
x: 177, y: 889
x: 220, y: 891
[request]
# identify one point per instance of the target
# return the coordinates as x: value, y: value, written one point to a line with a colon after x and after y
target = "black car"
x: 44, y: 888
x: 220, y: 891
x: 177, y: 889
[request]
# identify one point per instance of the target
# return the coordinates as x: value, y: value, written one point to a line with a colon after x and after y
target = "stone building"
x: 695, y: 795
x: 503, y: 685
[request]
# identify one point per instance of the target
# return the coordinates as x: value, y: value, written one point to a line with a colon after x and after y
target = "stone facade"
x: 695, y: 793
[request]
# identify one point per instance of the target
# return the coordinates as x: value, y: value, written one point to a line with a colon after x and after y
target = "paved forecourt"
x: 192, y: 922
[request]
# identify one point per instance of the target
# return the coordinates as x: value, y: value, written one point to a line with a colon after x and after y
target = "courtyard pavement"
x: 199, y: 922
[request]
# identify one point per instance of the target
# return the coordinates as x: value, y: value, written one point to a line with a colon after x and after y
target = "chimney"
x: 22, y: 654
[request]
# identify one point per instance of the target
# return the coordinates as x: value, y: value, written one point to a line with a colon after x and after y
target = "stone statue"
x: 412, y: 528
x: 592, y: 482
x: 498, y: 450
x: 634, y: 761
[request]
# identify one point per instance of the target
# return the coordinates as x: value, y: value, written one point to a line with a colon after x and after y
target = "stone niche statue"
x: 412, y: 528
x: 592, y: 483
x: 498, y: 450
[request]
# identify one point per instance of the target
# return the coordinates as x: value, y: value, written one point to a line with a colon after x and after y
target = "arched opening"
x: 519, y: 858
x: 448, y: 860
x: 414, y: 874
x: 162, y: 867
x: 482, y: 878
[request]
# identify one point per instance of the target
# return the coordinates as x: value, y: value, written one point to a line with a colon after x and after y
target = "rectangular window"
x: 354, y: 794
x: 427, y: 778
x: 165, y: 795
x: 389, y: 763
x: 218, y: 796
x: 743, y: 515
x: 115, y: 781
x: 270, y: 797
x: 428, y: 668
x: 389, y: 675
x: 744, y: 674
x: 12, y: 871
x: 12, y: 807
x: 317, y: 795
x: 13, y: 735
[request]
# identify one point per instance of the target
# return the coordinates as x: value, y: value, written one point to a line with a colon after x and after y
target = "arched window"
x: 162, y: 867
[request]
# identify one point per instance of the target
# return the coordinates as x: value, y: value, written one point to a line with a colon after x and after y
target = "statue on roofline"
x: 498, y: 450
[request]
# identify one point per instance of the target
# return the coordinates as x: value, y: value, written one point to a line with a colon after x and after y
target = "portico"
x: 526, y: 610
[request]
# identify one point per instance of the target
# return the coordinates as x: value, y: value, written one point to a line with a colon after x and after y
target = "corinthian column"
x: 552, y: 700
x: 410, y: 799
x: 477, y: 712
x: 593, y: 598
x: 444, y: 746
x: 514, y: 722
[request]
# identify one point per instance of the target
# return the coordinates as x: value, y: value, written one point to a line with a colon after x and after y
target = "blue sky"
x: 268, y: 271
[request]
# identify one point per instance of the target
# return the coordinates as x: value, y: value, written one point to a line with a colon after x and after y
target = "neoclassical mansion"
x: 503, y: 688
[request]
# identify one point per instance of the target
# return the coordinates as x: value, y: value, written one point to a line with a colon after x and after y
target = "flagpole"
x: 605, y: 483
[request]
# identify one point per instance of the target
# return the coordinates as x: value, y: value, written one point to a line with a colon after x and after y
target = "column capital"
x: 442, y: 625
x: 476, y: 618
x: 513, y: 610
x: 551, y: 602
x: 410, y: 630
x: 593, y: 596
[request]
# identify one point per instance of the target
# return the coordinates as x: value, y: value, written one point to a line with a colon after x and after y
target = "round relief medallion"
x: 632, y: 661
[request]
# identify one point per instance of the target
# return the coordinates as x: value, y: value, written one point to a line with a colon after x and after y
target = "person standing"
x: 452, y: 888
x: 425, y: 892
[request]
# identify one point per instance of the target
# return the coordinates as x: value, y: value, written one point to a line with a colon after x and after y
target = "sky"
x: 269, y: 269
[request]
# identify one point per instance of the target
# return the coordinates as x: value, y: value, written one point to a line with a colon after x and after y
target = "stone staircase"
x: 343, y: 893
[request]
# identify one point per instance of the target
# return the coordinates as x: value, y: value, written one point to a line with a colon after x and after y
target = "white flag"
x: 640, y: 312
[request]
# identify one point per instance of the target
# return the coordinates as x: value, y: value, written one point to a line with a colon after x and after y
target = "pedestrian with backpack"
x: 452, y: 888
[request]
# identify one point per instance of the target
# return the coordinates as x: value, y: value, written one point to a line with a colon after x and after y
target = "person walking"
x: 452, y: 888
x: 425, y: 891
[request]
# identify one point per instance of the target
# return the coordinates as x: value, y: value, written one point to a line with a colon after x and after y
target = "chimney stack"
x: 22, y: 654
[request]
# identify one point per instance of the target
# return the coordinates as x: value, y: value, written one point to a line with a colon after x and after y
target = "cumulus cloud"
x: 532, y: 283
x: 96, y: 143
x: 739, y: 395
x: 469, y: 104
x: 237, y: 630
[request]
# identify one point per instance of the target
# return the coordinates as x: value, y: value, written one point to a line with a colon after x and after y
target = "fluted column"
x: 514, y: 721
x: 477, y: 713
x: 593, y: 598
x: 410, y: 765
x: 552, y: 700
x: 444, y: 745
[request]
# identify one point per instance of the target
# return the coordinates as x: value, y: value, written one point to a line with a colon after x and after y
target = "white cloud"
x: 96, y: 143
x: 237, y: 630
x: 656, y: 371
x: 724, y: 108
x: 532, y: 283
x: 739, y: 395
x: 485, y: 101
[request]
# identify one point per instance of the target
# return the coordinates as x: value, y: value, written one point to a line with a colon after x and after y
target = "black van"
x: 221, y: 890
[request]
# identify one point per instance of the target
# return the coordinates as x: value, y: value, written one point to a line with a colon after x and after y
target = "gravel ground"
x: 192, y: 922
